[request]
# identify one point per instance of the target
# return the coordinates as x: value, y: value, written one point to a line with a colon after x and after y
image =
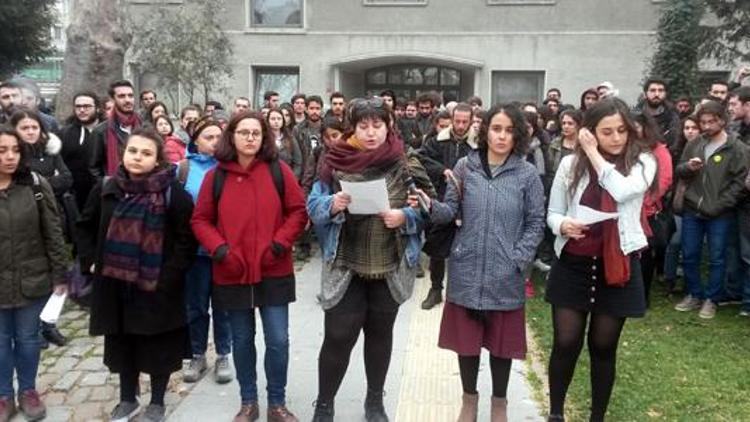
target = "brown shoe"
x: 248, y: 413
x: 280, y: 414
x: 469, y: 404
x: 499, y: 411
x: 31, y: 405
x: 7, y: 408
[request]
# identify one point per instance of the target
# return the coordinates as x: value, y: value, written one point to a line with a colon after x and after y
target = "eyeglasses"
x: 84, y: 106
x: 246, y: 134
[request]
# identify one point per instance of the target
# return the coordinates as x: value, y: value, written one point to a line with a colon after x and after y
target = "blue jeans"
x: 672, y: 254
x: 197, y: 296
x: 716, y: 231
x: 276, y: 361
x: 738, y: 258
x: 19, y: 347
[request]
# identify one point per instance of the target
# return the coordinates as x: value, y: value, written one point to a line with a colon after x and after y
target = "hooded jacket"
x: 719, y: 186
x: 48, y: 163
x: 251, y: 218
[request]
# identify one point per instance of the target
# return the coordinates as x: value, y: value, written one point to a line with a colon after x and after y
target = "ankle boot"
x: 323, y: 412
x: 499, y: 411
x: 469, y: 404
x: 374, y: 409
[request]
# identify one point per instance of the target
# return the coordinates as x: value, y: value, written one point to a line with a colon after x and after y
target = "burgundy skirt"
x: 502, y: 333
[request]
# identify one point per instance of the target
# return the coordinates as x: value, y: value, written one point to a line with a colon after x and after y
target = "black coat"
x: 119, y: 307
x: 98, y: 156
x: 48, y: 163
x: 76, y: 155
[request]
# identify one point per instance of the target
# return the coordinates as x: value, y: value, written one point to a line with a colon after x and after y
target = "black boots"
x: 53, y: 335
x: 434, y: 297
x: 323, y: 412
x: 374, y: 409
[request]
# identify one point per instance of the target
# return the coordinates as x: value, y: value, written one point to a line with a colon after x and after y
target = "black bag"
x: 663, y: 227
x: 439, y: 239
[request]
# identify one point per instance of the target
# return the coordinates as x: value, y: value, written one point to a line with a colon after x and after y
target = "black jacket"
x: 441, y: 152
x: 76, y: 155
x: 119, y: 307
x: 98, y: 157
x: 47, y: 162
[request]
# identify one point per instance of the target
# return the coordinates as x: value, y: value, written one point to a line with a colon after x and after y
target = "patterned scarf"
x: 135, y: 237
x: 117, y: 119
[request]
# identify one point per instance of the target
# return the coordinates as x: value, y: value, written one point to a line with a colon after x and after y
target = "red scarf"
x: 348, y: 158
x: 616, y: 263
x: 117, y: 118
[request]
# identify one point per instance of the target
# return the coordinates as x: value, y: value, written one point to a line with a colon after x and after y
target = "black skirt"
x: 151, y: 354
x: 577, y: 282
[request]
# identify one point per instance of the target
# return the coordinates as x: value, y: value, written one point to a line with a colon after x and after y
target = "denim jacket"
x: 628, y: 191
x: 335, y: 281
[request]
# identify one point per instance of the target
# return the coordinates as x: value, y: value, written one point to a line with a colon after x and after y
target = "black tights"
x: 499, y: 367
x: 341, y: 334
x: 437, y: 273
x: 129, y: 387
x: 603, y: 337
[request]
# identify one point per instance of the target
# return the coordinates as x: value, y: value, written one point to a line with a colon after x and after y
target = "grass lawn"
x: 671, y: 365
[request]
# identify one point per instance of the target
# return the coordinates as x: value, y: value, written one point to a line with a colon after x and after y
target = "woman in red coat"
x: 250, y: 210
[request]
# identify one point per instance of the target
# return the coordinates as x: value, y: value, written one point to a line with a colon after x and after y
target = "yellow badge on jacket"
x: 717, y: 159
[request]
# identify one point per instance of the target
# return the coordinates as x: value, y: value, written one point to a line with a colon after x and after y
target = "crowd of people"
x: 179, y: 222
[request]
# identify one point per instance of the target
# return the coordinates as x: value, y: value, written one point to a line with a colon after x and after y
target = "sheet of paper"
x: 587, y: 215
x: 367, y: 197
x: 53, y: 308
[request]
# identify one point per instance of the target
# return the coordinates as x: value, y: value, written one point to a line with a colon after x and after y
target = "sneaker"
x: 153, y: 413
x: 708, y: 310
x: 222, y: 370
x: 434, y: 297
x: 7, y: 408
x: 280, y: 414
x: 31, y: 405
x: 195, y: 369
x: 124, y: 411
x: 744, y: 313
x: 542, y: 266
x: 247, y: 413
x: 688, y: 303
x: 726, y: 301
x: 53, y: 335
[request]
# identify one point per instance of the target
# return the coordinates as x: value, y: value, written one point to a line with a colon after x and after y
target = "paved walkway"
x: 423, y: 383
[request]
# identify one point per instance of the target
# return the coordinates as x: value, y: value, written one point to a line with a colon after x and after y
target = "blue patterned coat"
x: 502, y: 225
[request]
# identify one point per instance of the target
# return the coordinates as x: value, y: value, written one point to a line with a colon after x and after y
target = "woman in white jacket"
x: 598, y: 270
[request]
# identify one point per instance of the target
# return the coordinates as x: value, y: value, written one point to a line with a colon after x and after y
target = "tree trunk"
x: 98, y: 38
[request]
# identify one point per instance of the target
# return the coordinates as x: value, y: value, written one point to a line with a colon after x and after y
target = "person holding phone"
x: 714, y: 167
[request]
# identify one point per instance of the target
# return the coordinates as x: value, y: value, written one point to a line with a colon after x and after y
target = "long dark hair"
x: 286, y: 134
x: 227, y: 152
x: 623, y: 162
x: 649, y: 129
x: 23, y: 170
x: 25, y: 113
x: 521, y: 139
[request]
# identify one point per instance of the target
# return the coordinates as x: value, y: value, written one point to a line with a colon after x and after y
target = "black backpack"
x: 278, y: 180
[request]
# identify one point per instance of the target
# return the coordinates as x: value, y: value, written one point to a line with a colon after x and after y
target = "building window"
x: 276, y: 13
x: 284, y: 80
x: 394, y: 2
x: 410, y: 80
x: 520, y: 2
x: 520, y: 86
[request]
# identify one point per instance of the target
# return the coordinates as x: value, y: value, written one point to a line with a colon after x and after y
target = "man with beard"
x: 439, y: 155
x: 719, y: 90
x: 31, y: 99
x: 10, y: 98
x: 76, y: 143
x: 338, y: 106
x: 739, y: 110
x: 108, y: 138
x: 271, y: 99
x: 299, y: 107
x: 713, y: 167
x: 308, y: 137
x: 656, y: 105
x: 426, y: 109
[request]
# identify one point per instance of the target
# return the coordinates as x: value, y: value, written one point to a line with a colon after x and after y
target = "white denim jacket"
x: 628, y: 191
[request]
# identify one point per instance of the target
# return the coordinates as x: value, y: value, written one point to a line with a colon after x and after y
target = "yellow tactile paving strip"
x: 430, y: 383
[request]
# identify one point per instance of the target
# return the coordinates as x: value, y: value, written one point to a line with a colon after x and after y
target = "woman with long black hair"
x: 597, y: 282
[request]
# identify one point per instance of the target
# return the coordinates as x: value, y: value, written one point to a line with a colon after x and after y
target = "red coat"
x: 251, y: 217
x: 652, y: 201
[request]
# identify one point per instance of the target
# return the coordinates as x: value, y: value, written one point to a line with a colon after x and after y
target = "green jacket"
x: 33, y: 256
x: 719, y: 186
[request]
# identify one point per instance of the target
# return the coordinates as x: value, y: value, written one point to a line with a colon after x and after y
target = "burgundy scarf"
x: 349, y: 159
x: 131, y: 120
x: 616, y: 263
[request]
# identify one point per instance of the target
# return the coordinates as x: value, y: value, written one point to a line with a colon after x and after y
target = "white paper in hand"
x: 587, y: 215
x: 367, y: 197
x: 53, y: 308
